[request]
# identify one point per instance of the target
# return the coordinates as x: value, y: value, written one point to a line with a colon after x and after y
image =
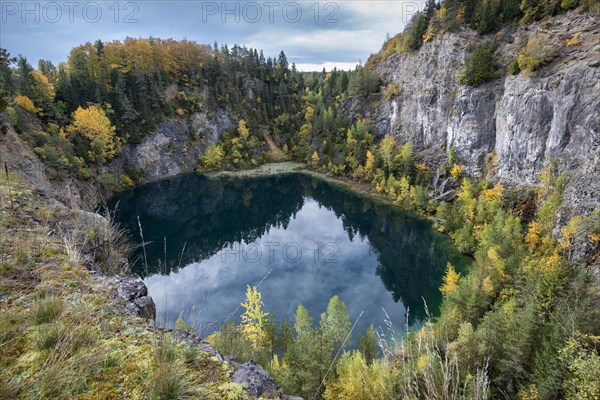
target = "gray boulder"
x: 134, y: 293
x: 256, y: 380
x: 145, y: 307
x: 131, y: 288
x: 193, y: 340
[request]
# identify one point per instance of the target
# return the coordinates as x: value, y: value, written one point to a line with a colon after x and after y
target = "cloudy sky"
x: 312, y: 33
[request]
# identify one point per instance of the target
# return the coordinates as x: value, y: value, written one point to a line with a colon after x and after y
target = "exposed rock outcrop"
x: 525, y: 121
x: 256, y: 380
x: 193, y: 340
x: 134, y: 293
x: 20, y: 159
x: 173, y: 147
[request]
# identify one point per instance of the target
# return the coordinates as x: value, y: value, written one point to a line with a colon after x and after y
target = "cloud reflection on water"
x: 386, y: 258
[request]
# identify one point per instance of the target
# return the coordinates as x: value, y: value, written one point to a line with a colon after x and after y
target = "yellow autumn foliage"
x: 422, y: 362
x: 569, y: 232
x: 254, y: 320
x: 533, y: 236
x: 493, y: 194
x: 497, y: 263
x: 456, y: 171
x: 26, y: 104
x: 370, y: 164
x: 546, y: 265
x: 450, y: 280
x: 93, y: 125
x: 573, y: 41
x: 315, y: 159
x: 213, y: 157
x: 43, y: 85
x: 357, y: 379
x: 487, y: 286
x: 530, y: 393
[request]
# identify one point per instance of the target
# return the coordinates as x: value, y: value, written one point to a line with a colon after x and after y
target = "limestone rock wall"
x: 525, y: 120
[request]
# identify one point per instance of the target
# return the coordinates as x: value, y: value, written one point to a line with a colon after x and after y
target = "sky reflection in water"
x: 302, y: 240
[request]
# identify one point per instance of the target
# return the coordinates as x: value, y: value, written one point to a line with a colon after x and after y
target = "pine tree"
x: 429, y: 10
x: 415, y: 31
x: 367, y: 344
x: 25, y: 79
x: 479, y: 66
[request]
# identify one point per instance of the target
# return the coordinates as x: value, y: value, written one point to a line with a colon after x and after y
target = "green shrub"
x: 513, y: 67
x: 568, y: 4
x: 479, y: 66
x: 108, y: 181
x: 53, y: 129
x: 12, y: 115
x: 583, y: 363
x: 125, y: 181
x: 590, y: 6
x: 40, y: 152
x: 229, y: 340
x: 22, y: 122
x: 83, y: 172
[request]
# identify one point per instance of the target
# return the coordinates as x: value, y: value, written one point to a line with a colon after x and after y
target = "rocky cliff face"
x: 25, y: 165
x: 524, y: 120
x: 174, y: 146
x: 20, y: 159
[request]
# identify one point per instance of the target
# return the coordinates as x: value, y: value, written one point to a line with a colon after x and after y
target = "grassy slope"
x: 62, y: 332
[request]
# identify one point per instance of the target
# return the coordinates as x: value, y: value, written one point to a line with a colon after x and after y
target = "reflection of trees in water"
x: 209, y: 214
x: 205, y: 215
x: 411, y: 257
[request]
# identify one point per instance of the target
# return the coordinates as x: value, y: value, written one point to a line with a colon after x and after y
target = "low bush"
x: 537, y: 53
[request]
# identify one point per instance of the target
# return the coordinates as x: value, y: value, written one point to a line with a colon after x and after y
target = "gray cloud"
x: 342, y: 33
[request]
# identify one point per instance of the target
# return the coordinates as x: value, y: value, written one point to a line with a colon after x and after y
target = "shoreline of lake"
x: 290, y: 167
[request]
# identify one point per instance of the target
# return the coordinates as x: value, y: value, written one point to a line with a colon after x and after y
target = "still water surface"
x: 300, y: 239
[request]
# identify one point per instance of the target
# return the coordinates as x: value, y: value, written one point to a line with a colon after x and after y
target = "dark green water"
x: 303, y: 240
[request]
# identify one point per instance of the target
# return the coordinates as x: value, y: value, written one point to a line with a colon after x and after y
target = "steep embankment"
x: 525, y: 120
x: 19, y: 157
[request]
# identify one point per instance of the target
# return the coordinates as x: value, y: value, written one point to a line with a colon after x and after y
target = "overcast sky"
x: 340, y: 33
